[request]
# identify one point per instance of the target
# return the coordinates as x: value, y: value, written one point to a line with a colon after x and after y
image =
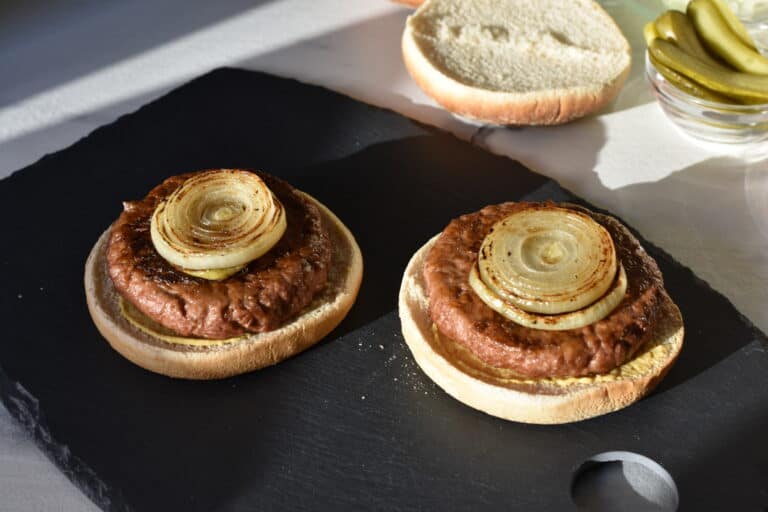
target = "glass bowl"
x: 708, y: 120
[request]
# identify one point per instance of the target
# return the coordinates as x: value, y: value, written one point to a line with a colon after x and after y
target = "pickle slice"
x: 722, y: 41
x: 734, y: 23
x: 689, y: 86
x: 674, y: 26
x: 650, y: 33
x: 744, y: 86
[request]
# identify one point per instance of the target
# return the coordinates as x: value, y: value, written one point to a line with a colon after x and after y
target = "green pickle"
x: 734, y: 23
x: 649, y: 33
x: 745, y: 87
x: 689, y: 86
x: 708, y: 53
x: 718, y: 36
x: 675, y: 27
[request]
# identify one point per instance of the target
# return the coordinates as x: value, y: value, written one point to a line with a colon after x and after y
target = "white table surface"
x: 69, y: 67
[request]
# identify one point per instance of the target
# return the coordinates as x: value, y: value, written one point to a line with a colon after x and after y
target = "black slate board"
x: 351, y: 423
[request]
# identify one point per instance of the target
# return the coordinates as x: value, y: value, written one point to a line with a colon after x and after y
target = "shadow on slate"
x: 351, y: 423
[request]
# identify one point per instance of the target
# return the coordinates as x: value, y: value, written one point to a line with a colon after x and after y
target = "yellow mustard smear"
x: 146, y: 325
x: 636, y: 367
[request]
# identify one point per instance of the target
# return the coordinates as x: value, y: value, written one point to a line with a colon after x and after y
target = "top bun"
x: 522, y: 62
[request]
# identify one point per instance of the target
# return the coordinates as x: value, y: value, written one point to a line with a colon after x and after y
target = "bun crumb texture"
x: 535, y: 62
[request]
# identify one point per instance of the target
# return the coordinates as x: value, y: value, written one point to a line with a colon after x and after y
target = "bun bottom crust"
x: 542, y: 401
x: 251, y: 352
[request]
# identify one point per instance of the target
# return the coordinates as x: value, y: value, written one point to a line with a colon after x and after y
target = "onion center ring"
x: 217, y: 220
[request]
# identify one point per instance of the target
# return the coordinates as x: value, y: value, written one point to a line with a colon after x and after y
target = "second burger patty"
x: 459, y: 313
x: 262, y: 297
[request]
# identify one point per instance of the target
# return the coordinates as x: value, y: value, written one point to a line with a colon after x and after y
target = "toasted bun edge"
x: 251, y: 353
x: 526, y: 403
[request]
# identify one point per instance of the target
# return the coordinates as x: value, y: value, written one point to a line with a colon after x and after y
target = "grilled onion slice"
x: 548, y: 260
x: 219, y: 219
x: 573, y: 320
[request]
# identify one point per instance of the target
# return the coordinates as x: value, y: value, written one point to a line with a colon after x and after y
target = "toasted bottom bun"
x: 213, y: 359
x: 544, y: 401
x: 534, y: 108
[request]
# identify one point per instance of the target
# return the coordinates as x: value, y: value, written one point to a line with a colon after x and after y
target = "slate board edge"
x: 26, y: 409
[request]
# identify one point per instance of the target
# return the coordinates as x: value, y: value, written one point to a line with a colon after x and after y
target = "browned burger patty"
x: 269, y: 291
x: 597, y: 348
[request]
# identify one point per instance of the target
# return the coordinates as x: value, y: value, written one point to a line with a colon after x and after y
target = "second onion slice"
x: 219, y: 219
x: 549, y: 267
x: 573, y: 320
x: 548, y: 260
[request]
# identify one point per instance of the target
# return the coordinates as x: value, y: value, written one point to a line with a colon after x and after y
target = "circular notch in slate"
x: 619, y: 480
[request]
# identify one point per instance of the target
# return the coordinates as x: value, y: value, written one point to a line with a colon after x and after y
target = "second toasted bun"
x: 246, y: 354
x: 518, y: 62
x: 543, y: 401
